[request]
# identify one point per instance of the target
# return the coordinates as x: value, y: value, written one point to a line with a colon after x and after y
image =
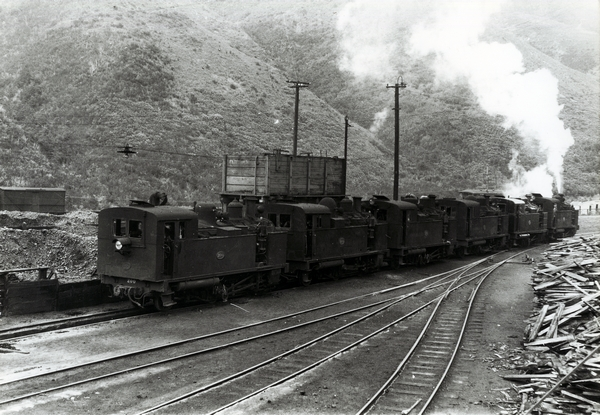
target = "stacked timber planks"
x: 565, y: 329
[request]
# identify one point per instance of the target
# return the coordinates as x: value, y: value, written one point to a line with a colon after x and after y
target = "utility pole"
x: 297, y: 85
x: 397, y: 87
x: 347, y: 125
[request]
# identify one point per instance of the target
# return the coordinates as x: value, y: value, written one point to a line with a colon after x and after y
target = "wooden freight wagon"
x: 284, y: 175
x: 33, y: 199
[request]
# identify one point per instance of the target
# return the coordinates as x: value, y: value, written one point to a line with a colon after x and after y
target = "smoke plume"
x: 536, y: 180
x: 494, y: 71
x: 378, y: 120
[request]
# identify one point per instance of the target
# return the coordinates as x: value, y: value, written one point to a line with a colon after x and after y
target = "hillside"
x: 183, y: 91
x: 449, y: 140
x: 185, y: 83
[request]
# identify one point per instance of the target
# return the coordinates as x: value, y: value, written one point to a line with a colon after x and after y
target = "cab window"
x: 181, y: 230
x: 119, y: 227
x: 381, y: 214
x: 282, y: 220
x: 285, y: 220
x: 273, y: 218
x: 135, y: 229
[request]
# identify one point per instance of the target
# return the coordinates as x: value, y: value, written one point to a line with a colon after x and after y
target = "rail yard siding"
x: 33, y: 199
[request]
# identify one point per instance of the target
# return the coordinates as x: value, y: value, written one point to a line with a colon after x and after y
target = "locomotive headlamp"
x: 122, y: 245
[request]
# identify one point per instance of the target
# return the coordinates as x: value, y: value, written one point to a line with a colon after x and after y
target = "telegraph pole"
x: 297, y: 85
x: 347, y: 125
x: 397, y: 87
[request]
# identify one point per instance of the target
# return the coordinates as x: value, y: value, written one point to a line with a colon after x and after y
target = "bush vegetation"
x: 184, y: 86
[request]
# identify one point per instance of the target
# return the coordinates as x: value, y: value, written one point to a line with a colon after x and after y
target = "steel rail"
x: 336, y: 353
x: 234, y: 329
x: 410, y: 353
x: 246, y: 371
x: 462, y: 332
x: 483, y: 273
x: 68, y: 322
x: 231, y: 344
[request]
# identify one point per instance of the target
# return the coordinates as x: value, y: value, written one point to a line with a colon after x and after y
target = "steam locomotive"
x: 287, y: 218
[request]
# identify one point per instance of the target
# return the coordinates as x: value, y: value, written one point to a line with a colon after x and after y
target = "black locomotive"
x: 158, y: 254
x: 288, y: 218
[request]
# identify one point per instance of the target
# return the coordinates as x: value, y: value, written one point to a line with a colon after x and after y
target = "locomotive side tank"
x: 157, y: 254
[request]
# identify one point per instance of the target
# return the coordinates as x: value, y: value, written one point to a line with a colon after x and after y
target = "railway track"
x: 331, y: 332
x: 419, y: 376
x: 299, y: 363
x: 32, y: 387
x: 68, y: 322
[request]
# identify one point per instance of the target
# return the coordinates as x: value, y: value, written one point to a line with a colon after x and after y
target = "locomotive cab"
x: 138, y: 245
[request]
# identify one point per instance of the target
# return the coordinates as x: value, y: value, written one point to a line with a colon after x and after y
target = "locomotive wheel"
x: 158, y: 303
x: 461, y: 251
x: 305, y: 278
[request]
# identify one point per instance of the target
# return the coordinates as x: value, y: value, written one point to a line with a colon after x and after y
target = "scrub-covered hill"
x: 183, y: 83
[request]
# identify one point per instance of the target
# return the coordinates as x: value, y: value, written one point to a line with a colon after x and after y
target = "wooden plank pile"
x: 564, y: 332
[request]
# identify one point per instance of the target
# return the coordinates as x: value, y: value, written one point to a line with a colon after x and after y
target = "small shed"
x: 33, y: 199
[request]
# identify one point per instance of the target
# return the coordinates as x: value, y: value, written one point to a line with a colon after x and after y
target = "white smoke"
x: 495, y: 73
x: 536, y: 180
x: 368, y: 41
x: 451, y: 31
x: 378, y: 120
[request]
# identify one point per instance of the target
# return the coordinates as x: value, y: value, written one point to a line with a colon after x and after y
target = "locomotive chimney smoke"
x: 536, y: 180
x: 378, y: 120
x: 495, y: 73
